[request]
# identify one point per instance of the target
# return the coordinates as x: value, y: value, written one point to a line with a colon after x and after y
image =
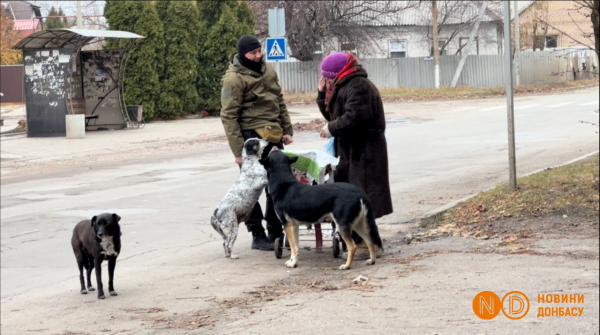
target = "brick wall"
x: 564, y: 20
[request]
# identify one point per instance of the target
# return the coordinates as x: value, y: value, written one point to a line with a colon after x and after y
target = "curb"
x: 448, y: 206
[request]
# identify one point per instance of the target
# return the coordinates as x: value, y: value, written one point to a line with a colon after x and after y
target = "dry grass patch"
x: 447, y: 93
x: 568, y: 191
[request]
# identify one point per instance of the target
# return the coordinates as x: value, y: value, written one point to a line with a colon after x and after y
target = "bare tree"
x: 310, y: 23
x: 454, y: 19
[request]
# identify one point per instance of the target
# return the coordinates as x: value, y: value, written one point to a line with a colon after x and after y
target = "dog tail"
x: 373, y: 230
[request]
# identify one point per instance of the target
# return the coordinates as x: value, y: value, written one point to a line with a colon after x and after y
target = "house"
x: 409, y: 32
x: 554, y: 24
x: 397, y: 29
x: 27, y: 17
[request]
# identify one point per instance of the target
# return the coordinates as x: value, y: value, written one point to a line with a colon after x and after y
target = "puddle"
x: 91, y: 212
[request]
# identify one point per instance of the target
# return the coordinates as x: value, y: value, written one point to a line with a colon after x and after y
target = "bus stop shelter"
x: 61, y: 79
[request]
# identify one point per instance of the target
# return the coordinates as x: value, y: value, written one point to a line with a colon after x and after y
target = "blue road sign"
x: 276, y: 49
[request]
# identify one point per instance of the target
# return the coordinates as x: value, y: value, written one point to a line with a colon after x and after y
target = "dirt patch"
x: 314, y: 125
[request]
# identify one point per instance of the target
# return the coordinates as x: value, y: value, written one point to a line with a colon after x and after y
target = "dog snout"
x: 100, y: 234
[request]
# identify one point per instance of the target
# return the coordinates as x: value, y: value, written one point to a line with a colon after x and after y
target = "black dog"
x: 299, y: 204
x: 94, y: 241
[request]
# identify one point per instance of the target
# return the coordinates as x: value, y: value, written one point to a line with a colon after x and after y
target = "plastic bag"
x: 330, y: 146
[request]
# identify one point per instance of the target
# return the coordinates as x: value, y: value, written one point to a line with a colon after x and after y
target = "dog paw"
x: 344, y: 267
x: 91, y: 289
x: 101, y: 297
x: 235, y: 257
x: 113, y: 293
x: 291, y: 264
x: 83, y: 292
x: 369, y: 262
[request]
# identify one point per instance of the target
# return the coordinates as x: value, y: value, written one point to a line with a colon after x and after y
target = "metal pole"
x: 512, y: 166
x: 79, y: 17
x: 436, y: 50
x: 517, y: 59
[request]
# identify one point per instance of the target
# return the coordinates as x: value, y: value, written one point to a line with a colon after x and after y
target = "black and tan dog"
x: 299, y: 204
x: 94, y: 241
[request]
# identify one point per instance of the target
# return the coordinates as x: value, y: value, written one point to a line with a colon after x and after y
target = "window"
x: 551, y: 41
x: 349, y: 47
x: 441, y: 46
x: 474, y: 47
x: 398, y: 49
x: 318, y: 48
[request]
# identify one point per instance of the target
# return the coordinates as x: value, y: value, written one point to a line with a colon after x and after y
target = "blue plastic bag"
x: 330, y: 146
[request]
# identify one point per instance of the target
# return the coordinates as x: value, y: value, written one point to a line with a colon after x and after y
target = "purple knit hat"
x: 333, y: 64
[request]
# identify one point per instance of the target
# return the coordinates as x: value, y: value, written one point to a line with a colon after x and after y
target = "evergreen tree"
x: 161, y: 8
x: 210, y: 11
x: 218, y: 48
x: 179, y: 92
x: 145, y: 62
x: 55, y: 22
x: 246, y: 17
x: 121, y: 15
x: 65, y: 21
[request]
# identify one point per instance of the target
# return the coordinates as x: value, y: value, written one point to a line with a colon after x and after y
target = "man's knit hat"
x: 333, y: 64
x: 247, y: 43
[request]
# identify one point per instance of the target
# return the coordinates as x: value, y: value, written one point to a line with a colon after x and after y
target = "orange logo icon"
x: 515, y: 305
x: 487, y: 305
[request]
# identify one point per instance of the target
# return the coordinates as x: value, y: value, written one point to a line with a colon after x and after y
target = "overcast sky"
x: 70, y: 7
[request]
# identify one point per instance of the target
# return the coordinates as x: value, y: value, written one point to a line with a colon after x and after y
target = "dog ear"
x: 94, y: 220
x: 264, y: 162
x: 292, y: 160
x: 116, y: 217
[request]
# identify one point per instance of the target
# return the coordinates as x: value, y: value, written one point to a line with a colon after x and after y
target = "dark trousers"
x: 254, y: 219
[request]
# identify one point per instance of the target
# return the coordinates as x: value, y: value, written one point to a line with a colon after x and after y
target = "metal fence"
x: 11, y: 84
x: 540, y: 67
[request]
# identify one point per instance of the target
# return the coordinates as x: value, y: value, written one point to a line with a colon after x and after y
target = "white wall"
x: 418, y: 44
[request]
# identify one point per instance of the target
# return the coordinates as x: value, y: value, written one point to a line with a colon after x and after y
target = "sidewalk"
x: 11, y: 115
x: 24, y: 153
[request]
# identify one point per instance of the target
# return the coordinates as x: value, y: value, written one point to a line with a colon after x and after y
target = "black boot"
x: 260, y: 241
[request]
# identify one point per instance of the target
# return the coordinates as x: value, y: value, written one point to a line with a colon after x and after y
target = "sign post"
x: 276, y: 44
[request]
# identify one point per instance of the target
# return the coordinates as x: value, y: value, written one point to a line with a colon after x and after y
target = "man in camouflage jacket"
x: 251, y: 99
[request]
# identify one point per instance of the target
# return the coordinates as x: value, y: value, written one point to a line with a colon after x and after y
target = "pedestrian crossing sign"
x: 276, y: 49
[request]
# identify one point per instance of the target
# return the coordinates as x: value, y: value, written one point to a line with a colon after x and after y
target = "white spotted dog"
x: 242, y: 196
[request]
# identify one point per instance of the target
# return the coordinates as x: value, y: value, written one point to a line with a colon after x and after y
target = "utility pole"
x: 79, y: 17
x: 517, y: 59
x: 436, y: 50
x: 508, y: 74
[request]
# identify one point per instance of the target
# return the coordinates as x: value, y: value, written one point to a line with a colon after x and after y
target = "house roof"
x: 26, y: 24
x: 63, y: 37
x: 22, y: 10
x: 525, y: 6
x: 421, y: 15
